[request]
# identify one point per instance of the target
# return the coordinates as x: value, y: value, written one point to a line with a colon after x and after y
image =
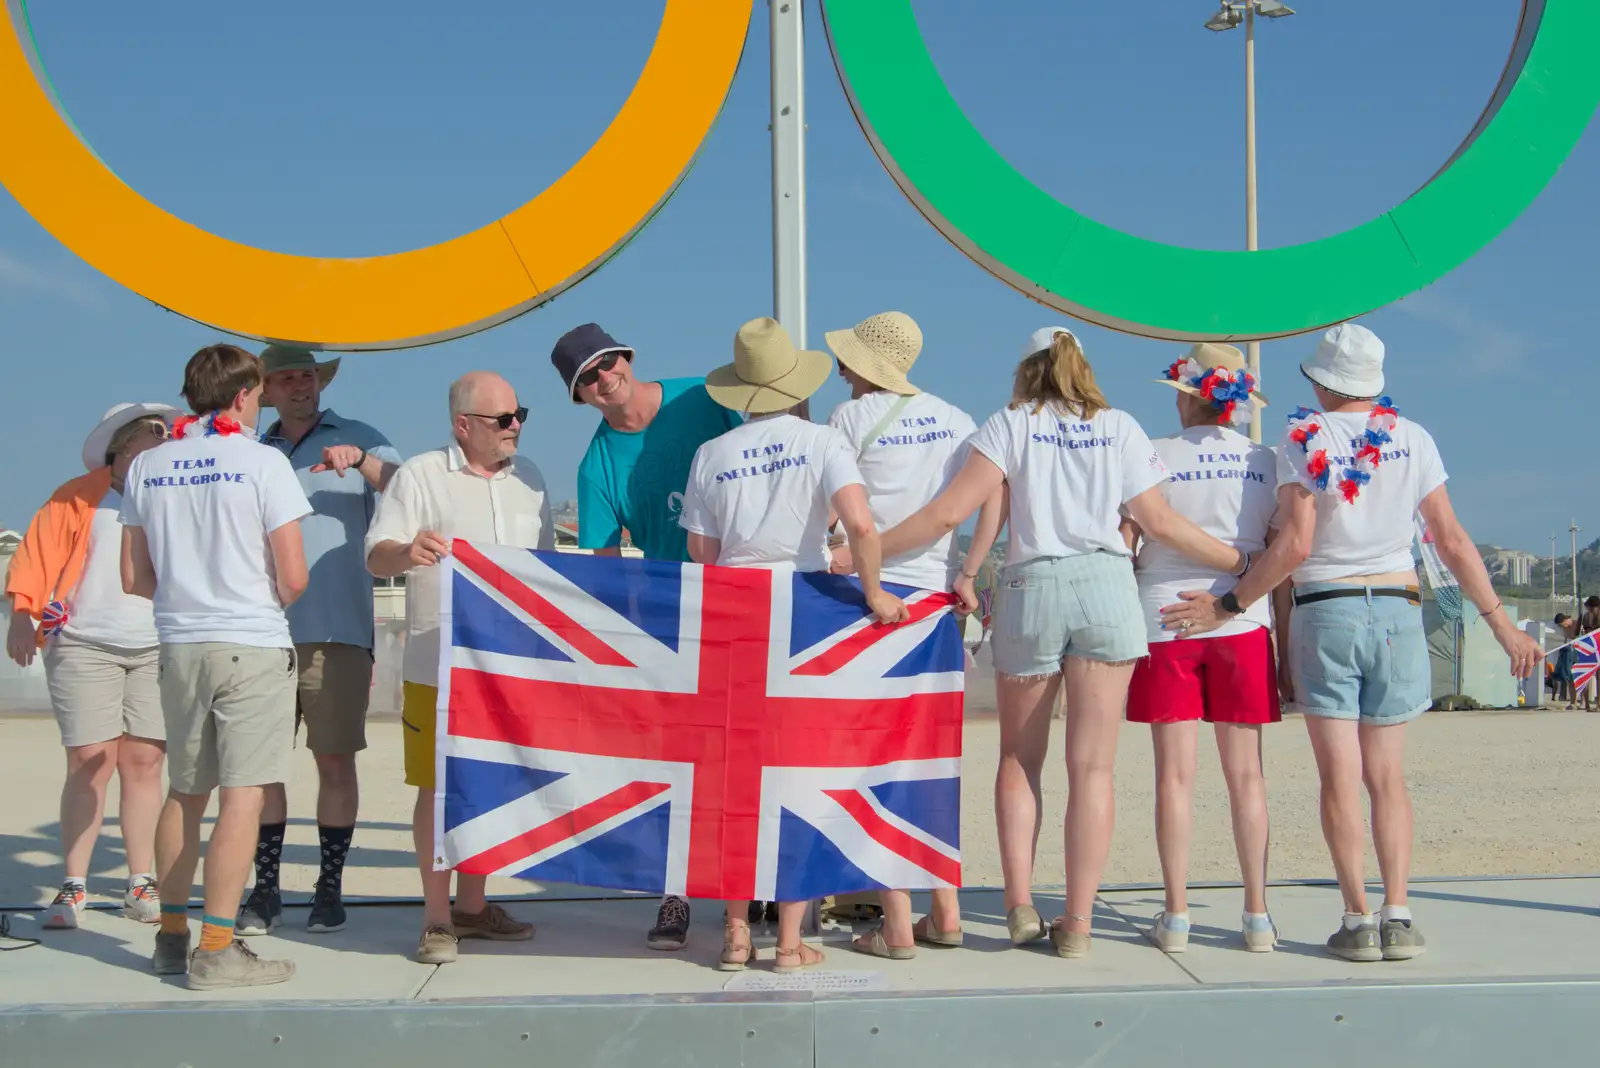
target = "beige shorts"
x: 99, y: 693
x: 335, y: 688
x: 230, y: 714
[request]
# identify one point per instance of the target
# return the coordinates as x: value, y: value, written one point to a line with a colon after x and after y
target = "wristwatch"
x: 1230, y: 604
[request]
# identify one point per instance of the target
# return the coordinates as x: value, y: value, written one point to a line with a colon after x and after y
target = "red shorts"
x: 1231, y: 679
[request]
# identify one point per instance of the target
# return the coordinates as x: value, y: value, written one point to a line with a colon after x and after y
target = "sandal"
x: 924, y: 933
x: 874, y: 945
x: 800, y: 957
x: 735, y: 957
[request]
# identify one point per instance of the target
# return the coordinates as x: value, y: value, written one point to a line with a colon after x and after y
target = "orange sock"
x: 174, y: 919
x: 216, y: 934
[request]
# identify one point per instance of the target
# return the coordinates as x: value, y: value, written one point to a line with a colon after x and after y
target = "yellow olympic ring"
x: 467, y: 284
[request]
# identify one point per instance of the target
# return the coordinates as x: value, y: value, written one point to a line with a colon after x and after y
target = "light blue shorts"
x: 1059, y: 606
x: 1359, y: 658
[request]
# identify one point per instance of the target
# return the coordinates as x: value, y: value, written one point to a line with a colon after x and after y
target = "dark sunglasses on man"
x: 504, y: 419
x: 604, y: 363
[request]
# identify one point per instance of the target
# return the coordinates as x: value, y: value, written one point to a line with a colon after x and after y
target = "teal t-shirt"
x: 636, y: 480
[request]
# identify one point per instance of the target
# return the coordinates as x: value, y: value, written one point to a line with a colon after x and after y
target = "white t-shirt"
x: 1228, y: 486
x: 1371, y: 535
x: 207, y: 504
x: 764, y: 488
x: 905, y: 466
x: 438, y: 491
x: 99, y: 611
x: 1069, y: 477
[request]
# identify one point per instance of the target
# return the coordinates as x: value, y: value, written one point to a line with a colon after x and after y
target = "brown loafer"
x: 1025, y: 925
x: 493, y: 923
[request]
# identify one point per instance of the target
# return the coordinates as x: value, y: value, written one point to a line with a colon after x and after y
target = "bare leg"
x: 1383, y: 770
x: 435, y: 884
x: 231, y: 852
x: 1175, y: 745
x: 83, y: 802
x: 945, y: 914
x: 139, y: 764
x: 338, y: 793
x: 274, y: 803
x: 1239, y: 746
x: 896, y: 917
x: 472, y: 892
x: 1338, y: 751
x: 1097, y: 695
x: 1025, y: 706
x: 178, y: 846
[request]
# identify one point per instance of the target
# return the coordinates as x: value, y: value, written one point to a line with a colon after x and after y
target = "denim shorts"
x: 1054, y: 607
x: 1359, y: 658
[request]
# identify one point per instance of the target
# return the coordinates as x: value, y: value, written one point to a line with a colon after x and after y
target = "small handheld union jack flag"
x: 1585, y: 660
x: 53, y: 618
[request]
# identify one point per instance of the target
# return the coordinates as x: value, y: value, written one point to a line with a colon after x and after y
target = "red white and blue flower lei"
x: 1226, y: 391
x: 214, y: 424
x: 1306, y: 431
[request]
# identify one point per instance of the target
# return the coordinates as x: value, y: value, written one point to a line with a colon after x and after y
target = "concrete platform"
x: 1512, y: 972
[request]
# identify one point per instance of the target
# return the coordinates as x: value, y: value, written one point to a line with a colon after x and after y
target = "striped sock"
x: 174, y: 919
x: 216, y: 933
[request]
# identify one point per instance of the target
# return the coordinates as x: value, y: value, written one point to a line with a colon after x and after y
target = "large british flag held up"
x: 731, y: 733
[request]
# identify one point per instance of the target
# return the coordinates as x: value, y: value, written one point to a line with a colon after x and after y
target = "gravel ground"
x: 1495, y: 793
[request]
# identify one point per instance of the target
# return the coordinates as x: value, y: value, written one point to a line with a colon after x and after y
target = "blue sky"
x: 370, y: 126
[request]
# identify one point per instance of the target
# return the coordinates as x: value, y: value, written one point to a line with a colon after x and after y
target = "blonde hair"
x: 1060, y: 374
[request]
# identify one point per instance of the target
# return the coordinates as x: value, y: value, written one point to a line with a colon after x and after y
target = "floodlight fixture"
x: 1226, y: 19
x: 1273, y: 9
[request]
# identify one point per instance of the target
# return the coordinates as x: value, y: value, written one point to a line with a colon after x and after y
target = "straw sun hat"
x: 881, y: 350
x: 1212, y: 357
x: 768, y: 374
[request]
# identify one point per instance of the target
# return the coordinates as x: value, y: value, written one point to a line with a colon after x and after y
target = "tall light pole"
x: 1232, y: 14
x: 1552, y: 572
x: 1574, y: 529
x: 788, y: 126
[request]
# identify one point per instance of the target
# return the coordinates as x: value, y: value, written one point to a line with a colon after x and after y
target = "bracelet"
x: 1497, y: 606
x: 362, y: 460
x: 1246, y: 566
x: 973, y: 578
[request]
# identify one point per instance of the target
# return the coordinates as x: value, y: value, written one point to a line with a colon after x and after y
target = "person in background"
x: 632, y: 478
x: 1589, y: 623
x: 331, y: 624
x: 1351, y: 477
x: 481, y: 489
x: 738, y: 515
x: 1067, y: 610
x: 100, y: 652
x: 1228, y: 485
x: 211, y: 532
x: 908, y: 445
x: 1561, y: 664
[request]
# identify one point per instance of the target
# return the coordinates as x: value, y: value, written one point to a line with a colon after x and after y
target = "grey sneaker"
x: 142, y: 902
x: 1260, y: 934
x: 171, y: 955
x: 1360, y: 944
x: 1172, y: 936
x: 1401, y: 940
x: 236, y: 964
x: 260, y: 913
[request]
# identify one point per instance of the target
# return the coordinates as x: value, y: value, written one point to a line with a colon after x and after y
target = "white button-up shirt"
x: 437, y: 491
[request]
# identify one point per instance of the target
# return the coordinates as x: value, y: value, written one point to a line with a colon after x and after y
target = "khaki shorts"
x: 230, y: 714
x: 335, y: 688
x: 419, y: 722
x: 99, y: 693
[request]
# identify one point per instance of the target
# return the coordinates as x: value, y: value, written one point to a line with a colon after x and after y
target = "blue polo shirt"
x: 636, y: 480
x: 337, y: 604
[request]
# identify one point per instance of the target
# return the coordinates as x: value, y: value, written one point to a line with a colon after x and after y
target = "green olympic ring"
x: 1049, y: 252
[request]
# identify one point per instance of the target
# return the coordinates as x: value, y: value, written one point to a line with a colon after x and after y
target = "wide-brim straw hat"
x: 120, y: 415
x: 1211, y: 356
x: 275, y: 358
x: 881, y: 350
x: 768, y: 374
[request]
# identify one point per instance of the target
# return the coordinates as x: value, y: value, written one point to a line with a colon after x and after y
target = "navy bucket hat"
x: 578, y: 348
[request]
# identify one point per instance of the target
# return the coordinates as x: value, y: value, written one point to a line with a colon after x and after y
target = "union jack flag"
x: 1585, y: 660
x: 731, y: 733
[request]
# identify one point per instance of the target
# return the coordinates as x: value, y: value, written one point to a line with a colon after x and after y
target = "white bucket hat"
x: 1348, y: 361
x: 768, y: 374
x: 120, y: 415
x: 881, y: 350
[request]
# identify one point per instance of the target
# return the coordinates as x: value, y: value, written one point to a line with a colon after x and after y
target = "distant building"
x: 1509, y: 567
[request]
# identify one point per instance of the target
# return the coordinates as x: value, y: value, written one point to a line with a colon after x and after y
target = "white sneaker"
x: 63, y: 913
x: 142, y: 902
x: 1260, y: 935
x: 1172, y: 936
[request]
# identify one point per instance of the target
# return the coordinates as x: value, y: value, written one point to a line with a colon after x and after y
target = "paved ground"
x: 1496, y: 793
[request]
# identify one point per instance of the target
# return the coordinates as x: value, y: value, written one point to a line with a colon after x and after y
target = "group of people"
x: 206, y: 588
x: 1562, y: 681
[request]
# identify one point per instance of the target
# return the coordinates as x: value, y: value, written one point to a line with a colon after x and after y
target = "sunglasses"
x: 604, y: 363
x: 504, y: 419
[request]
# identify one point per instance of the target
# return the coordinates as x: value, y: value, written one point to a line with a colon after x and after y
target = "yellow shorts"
x: 419, y: 721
